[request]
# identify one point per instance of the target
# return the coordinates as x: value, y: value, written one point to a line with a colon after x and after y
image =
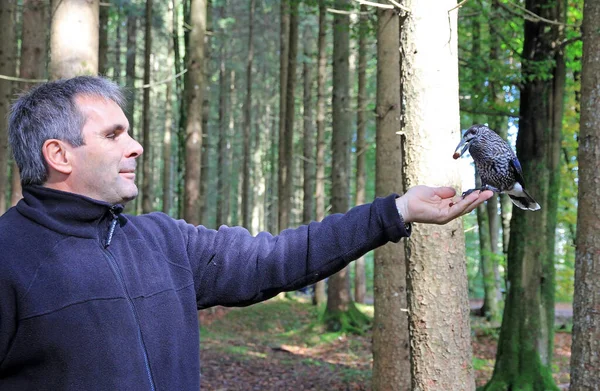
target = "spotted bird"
x: 497, y: 165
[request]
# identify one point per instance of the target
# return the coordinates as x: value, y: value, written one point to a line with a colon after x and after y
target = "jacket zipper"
x: 113, y: 264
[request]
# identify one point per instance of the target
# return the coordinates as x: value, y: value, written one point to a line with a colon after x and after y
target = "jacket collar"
x: 67, y: 213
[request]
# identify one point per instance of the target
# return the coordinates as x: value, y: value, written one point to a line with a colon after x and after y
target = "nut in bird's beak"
x: 464, y: 144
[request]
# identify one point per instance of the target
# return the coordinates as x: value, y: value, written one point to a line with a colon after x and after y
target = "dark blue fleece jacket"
x: 76, y: 314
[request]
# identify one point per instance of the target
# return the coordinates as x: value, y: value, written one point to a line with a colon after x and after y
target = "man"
x: 93, y: 299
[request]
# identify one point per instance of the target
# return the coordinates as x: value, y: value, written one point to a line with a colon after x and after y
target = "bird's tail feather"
x: 524, y: 201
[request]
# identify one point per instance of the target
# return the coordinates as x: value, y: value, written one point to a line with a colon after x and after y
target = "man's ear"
x: 57, y: 156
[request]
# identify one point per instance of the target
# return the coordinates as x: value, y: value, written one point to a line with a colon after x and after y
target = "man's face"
x: 104, y: 167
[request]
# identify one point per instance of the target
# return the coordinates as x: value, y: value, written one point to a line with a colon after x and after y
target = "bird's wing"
x: 514, y: 162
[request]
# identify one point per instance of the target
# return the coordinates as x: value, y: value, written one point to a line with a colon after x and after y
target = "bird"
x: 497, y: 165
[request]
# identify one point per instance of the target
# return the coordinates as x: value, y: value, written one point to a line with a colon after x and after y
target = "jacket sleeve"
x: 233, y: 268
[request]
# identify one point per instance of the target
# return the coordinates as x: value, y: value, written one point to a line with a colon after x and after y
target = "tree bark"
x: 119, y: 23
x: 34, y: 53
x: 360, y: 279
x: 283, y: 199
x: 103, y: 39
x: 167, y: 185
x: 320, y: 290
x: 8, y: 65
x: 391, y: 364
x: 74, y: 38
x: 194, y: 87
x: 248, y: 120
x: 341, y: 313
x: 223, y: 144
x: 523, y: 356
x: 309, y: 130
x: 585, y: 361
x: 441, y: 355
x: 147, y: 191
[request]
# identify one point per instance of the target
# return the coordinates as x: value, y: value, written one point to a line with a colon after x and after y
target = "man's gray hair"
x: 48, y: 111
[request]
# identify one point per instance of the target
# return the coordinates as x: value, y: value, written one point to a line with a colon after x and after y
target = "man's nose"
x: 135, y: 149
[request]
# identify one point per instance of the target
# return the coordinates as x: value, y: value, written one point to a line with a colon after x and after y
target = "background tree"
x: 360, y: 287
x: 248, y: 120
x: 527, y: 336
x: 391, y: 364
x: 341, y: 313
x: 194, y: 86
x: 146, y: 190
x: 585, y: 365
x: 8, y: 65
x: 74, y: 38
x: 320, y: 289
x: 440, y: 330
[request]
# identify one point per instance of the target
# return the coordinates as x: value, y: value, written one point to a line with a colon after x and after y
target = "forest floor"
x: 280, y: 345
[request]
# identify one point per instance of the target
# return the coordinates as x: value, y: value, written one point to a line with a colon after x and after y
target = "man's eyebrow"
x: 115, y: 128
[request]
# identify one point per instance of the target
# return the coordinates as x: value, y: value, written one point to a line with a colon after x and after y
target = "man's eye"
x: 111, y: 135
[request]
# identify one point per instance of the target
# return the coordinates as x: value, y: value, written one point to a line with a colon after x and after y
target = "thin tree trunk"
x: 490, y: 308
x: 207, y: 137
x: 117, y: 68
x: 231, y: 157
x: 320, y: 295
x: 74, y: 54
x: 391, y: 364
x: 34, y: 53
x: 309, y: 131
x: 360, y: 279
x: 8, y: 62
x: 147, y: 191
x: 103, y: 39
x: 585, y: 361
x: 167, y: 188
x: 437, y: 279
x: 130, y: 90
x: 223, y: 146
x: 248, y: 120
x: 340, y: 308
x: 283, y: 199
x: 194, y: 87
x: 556, y: 104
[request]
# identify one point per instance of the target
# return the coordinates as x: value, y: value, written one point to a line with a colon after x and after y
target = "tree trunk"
x: 231, y: 156
x: 130, y: 90
x: 320, y: 289
x: 556, y: 104
x: 34, y: 53
x: 167, y: 188
x: 360, y: 283
x: 585, y: 362
x: 438, y: 304
x: 194, y: 87
x: 490, y: 308
x: 248, y: 120
x: 391, y: 364
x: 74, y: 38
x: 223, y: 144
x: 103, y: 39
x: 117, y: 68
x: 283, y: 199
x: 207, y: 137
x: 147, y: 191
x: 341, y: 313
x: 523, y: 347
x: 309, y: 130
x: 8, y: 58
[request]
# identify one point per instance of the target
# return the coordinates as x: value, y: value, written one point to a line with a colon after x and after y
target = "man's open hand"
x: 436, y: 205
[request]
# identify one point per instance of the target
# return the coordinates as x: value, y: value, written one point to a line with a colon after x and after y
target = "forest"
x: 272, y: 114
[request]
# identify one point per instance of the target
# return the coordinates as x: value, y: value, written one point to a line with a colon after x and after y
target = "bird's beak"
x: 464, y: 144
